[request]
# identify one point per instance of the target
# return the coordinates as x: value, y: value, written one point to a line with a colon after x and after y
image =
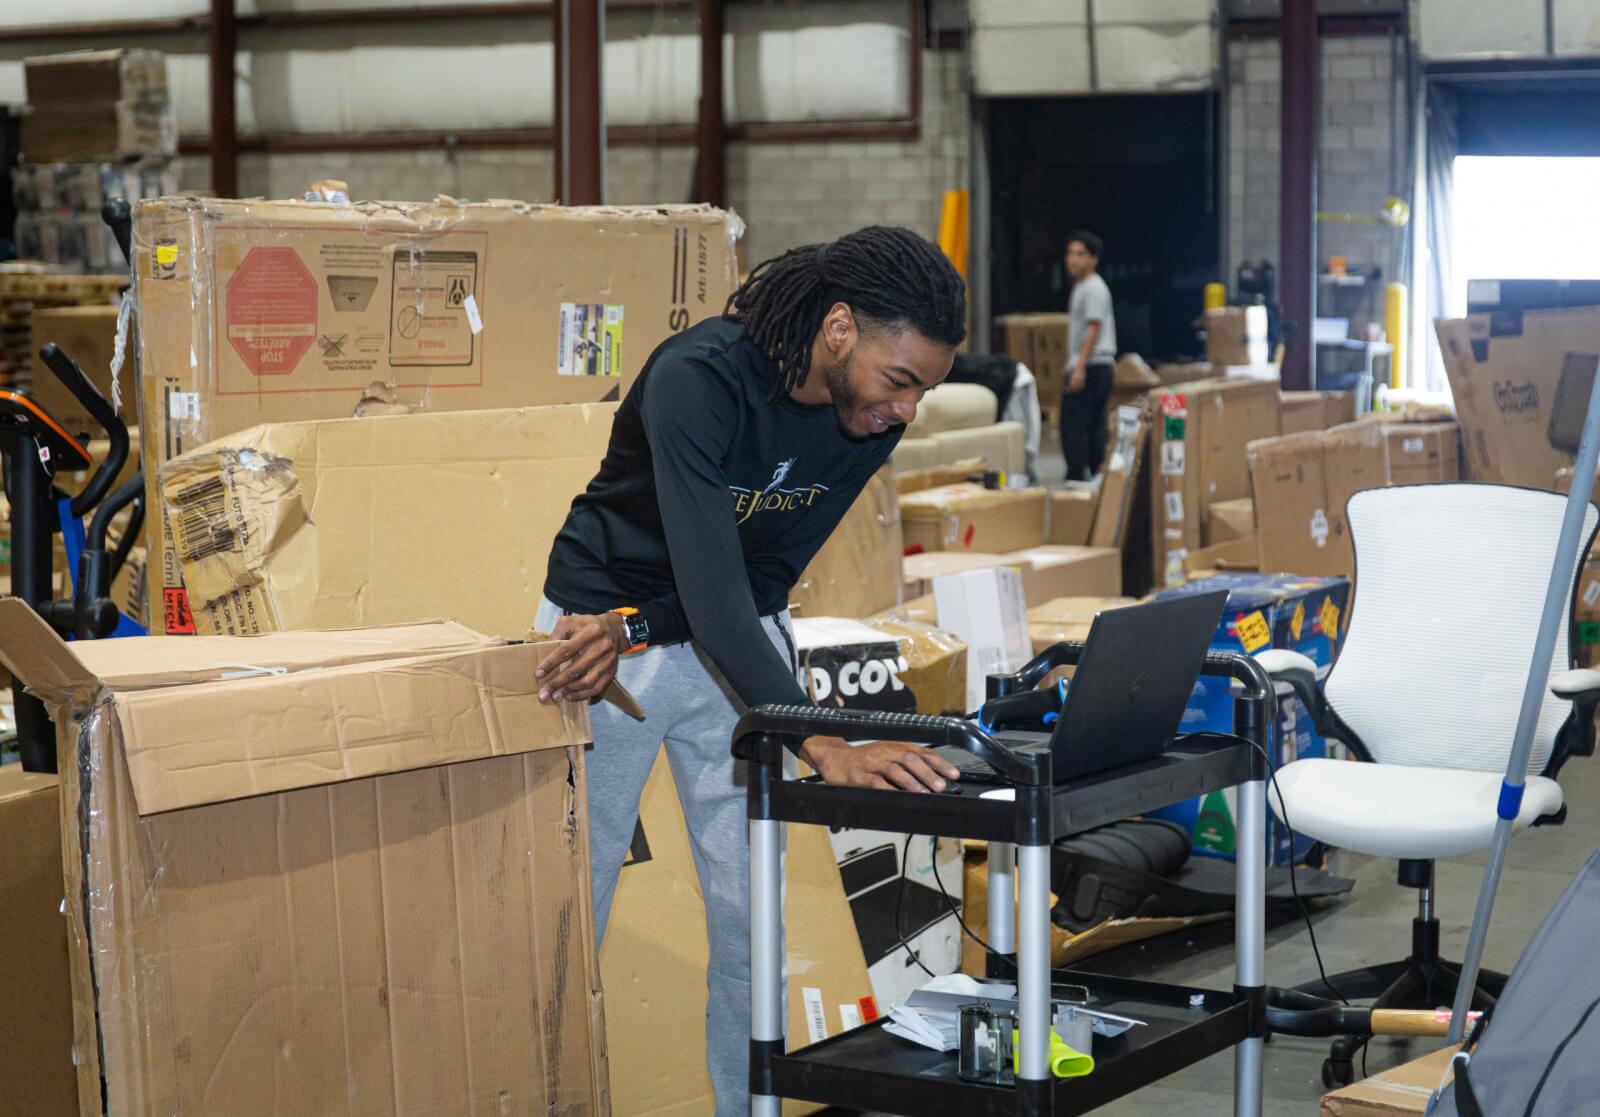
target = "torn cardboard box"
x: 36, y: 1057
x: 915, y: 480
x: 303, y: 818
x: 331, y: 524
x: 1521, y: 383
x: 262, y: 312
x: 857, y: 571
x: 935, y: 662
x: 1118, y: 481
x: 1059, y: 571
x: 967, y: 517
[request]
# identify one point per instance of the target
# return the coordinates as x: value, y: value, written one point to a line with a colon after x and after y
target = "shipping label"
x: 590, y: 340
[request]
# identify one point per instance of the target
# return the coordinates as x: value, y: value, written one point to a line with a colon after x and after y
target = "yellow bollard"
x: 1394, y: 328
x: 1216, y: 296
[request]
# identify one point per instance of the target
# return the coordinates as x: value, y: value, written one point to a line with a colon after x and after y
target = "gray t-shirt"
x: 1091, y: 302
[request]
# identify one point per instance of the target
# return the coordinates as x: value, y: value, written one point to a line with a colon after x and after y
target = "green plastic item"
x: 1066, y: 1061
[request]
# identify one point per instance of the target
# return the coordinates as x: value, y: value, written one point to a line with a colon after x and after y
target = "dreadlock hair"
x: 889, y: 278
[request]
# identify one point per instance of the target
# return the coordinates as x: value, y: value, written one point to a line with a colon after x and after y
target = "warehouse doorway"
x: 1139, y: 170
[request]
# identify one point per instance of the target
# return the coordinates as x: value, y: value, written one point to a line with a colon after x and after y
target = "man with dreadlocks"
x: 732, y: 459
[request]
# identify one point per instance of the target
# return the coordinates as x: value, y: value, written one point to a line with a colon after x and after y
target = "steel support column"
x: 222, y: 46
x: 711, y: 145
x: 579, y: 40
x: 1298, y: 187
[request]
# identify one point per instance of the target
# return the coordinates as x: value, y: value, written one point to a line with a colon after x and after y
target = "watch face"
x: 638, y: 630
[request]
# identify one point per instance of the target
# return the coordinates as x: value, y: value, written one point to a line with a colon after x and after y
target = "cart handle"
x: 1026, y: 766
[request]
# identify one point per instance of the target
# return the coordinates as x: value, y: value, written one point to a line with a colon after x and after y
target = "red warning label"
x: 178, y: 620
x: 271, y: 310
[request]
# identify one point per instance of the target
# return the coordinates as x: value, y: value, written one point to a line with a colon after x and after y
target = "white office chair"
x: 1450, y: 585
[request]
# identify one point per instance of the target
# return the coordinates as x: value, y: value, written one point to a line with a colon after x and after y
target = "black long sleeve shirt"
x: 710, y: 501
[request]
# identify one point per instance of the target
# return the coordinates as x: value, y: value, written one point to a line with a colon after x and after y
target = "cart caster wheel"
x: 1339, y: 1074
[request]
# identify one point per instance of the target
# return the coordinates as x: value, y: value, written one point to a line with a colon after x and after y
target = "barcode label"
x: 200, y: 515
x: 816, y: 1022
x: 184, y: 405
x: 1591, y: 594
x: 849, y: 1016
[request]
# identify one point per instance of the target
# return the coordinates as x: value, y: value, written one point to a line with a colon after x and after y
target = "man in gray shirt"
x: 1091, y: 351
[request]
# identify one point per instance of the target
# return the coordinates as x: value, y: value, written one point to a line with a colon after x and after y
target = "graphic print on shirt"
x: 772, y: 498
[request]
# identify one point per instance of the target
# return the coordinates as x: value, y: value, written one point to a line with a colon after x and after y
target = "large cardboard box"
x: 1303, y: 483
x: 967, y: 517
x: 1401, y: 1091
x: 1306, y: 615
x: 88, y: 335
x: 653, y: 962
x: 1049, y: 572
x: 1072, y: 513
x: 1119, y: 480
x: 89, y: 76
x: 313, y: 872
x: 259, y: 312
x: 920, y: 570
x: 1521, y: 384
x: 915, y: 480
x: 1067, y: 620
x: 99, y: 132
x: 850, y: 665
x: 36, y: 1057
x: 1316, y: 411
x: 1230, y: 519
x: 330, y: 524
x: 1131, y: 378
x: 1197, y: 455
x: 857, y: 571
x: 1236, y: 335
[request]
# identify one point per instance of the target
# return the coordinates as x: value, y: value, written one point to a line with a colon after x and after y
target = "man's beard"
x: 846, y: 401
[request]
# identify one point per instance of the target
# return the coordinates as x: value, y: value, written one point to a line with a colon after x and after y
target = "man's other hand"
x: 1077, y: 378
x: 586, y: 661
x: 884, y: 765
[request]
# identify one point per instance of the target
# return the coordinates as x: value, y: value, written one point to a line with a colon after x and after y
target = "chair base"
x: 1423, y: 980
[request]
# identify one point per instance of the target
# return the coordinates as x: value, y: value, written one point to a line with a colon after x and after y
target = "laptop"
x: 1127, y: 694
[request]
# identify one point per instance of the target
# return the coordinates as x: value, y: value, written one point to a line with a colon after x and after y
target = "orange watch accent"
x: 633, y: 624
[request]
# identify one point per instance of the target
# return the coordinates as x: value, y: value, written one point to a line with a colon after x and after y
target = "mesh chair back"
x: 1450, y: 584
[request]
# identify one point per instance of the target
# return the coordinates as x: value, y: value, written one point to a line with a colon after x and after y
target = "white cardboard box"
x: 988, y: 610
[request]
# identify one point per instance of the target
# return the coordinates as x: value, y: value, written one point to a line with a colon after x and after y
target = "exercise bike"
x: 36, y: 449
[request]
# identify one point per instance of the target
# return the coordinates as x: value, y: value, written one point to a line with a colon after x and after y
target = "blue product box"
x: 1301, y: 614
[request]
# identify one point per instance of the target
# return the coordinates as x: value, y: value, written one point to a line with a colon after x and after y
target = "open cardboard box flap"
x: 214, y: 719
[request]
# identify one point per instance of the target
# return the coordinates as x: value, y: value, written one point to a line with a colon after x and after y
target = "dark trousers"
x: 1083, y: 424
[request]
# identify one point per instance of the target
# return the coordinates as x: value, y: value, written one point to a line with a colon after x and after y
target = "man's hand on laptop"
x: 883, y: 765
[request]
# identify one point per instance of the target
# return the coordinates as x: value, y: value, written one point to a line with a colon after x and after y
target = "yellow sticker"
x: 166, y: 254
x: 1298, y: 621
x: 1329, y: 616
x: 1254, y: 632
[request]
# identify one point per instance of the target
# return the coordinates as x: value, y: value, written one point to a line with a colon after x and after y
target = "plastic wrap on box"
x: 936, y: 663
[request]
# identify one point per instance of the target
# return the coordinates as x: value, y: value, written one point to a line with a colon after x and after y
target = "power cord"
x: 955, y: 908
x: 1294, y: 887
x: 900, y: 899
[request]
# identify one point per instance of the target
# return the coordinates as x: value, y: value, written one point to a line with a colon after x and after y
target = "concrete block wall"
x: 788, y: 194
x: 1361, y: 160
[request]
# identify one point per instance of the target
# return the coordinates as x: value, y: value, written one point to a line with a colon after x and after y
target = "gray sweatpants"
x: 689, y: 706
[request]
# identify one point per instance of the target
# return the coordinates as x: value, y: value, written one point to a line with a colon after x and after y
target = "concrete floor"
x: 1370, y: 926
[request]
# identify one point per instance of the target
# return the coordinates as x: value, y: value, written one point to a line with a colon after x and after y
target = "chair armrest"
x: 1296, y: 674
x: 1581, y: 685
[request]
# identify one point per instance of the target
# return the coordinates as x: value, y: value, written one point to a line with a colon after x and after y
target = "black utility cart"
x: 866, y: 1068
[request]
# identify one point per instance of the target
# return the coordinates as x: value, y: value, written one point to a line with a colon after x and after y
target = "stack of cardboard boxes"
x: 99, y: 127
x: 1040, y: 342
